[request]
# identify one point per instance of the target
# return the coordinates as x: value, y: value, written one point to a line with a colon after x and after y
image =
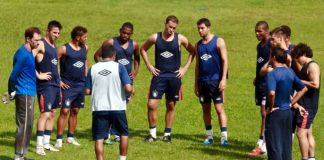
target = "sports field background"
x: 232, y: 20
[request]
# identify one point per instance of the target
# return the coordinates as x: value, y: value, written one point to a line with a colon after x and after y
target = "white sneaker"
x: 40, y: 151
x: 58, y: 143
x: 73, y: 141
x: 50, y: 148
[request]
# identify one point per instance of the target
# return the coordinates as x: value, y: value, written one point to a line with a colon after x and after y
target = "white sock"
x: 39, y: 142
x: 224, y: 135
x: 209, y: 134
x: 122, y: 157
x: 167, y: 134
x: 70, y: 139
x: 153, y: 132
x: 313, y: 158
x: 46, y: 139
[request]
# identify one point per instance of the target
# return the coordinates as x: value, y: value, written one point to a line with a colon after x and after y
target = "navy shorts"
x: 305, y: 121
x: 171, y: 86
x: 73, y: 97
x: 209, y: 90
x: 102, y: 120
x: 260, y: 97
x: 48, y: 98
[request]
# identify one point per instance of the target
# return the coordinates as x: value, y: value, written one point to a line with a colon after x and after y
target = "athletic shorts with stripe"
x: 305, y: 121
x: 171, y: 86
x: 209, y: 90
x: 48, y: 98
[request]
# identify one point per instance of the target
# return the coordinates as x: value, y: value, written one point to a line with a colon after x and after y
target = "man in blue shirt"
x: 280, y: 81
x: 22, y: 83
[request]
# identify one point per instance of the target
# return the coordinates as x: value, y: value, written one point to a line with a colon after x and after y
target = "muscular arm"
x: 313, y: 76
x: 61, y: 54
x: 39, y: 52
x: 136, y: 61
x: 146, y: 46
x: 223, y: 52
x: 185, y: 43
x: 86, y: 62
x: 97, y: 56
x: 271, y: 96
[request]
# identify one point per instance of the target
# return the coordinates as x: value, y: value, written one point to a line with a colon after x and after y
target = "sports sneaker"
x: 50, y: 148
x: 108, y: 141
x: 255, y: 152
x: 208, y: 141
x: 40, y: 151
x: 117, y: 139
x: 149, y: 138
x: 72, y: 141
x: 58, y: 143
x: 224, y: 143
x: 167, y: 138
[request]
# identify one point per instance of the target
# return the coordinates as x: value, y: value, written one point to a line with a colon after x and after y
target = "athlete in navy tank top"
x: 124, y: 56
x: 167, y: 55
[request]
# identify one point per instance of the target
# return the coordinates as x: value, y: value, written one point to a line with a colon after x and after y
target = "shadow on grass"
x: 5, y: 158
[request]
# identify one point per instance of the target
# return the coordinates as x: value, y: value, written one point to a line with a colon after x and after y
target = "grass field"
x: 232, y: 20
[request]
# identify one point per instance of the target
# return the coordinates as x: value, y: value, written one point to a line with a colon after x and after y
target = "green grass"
x: 232, y: 20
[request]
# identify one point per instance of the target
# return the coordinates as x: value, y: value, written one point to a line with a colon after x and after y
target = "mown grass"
x: 232, y: 20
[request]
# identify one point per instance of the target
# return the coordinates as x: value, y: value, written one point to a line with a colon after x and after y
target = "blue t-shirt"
x: 23, y: 75
x: 282, y: 80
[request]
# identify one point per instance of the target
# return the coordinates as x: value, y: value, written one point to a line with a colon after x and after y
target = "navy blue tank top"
x: 263, y: 55
x: 72, y: 68
x: 210, y: 65
x: 49, y: 64
x: 167, y: 55
x: 124, y: 56
x: 311, y: 97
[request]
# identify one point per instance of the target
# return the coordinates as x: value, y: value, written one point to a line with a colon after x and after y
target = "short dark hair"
x: 264, y: 24
x: 300, y: 50
x: 279, y: 31
x: 204, y: 21
x: 29, y: 32
x: 127, y: 25
x: 54, y: 23
x: 286, y: 30
x: 172, y: 18
x: 107, y: 51
x: 78, y: 31
x: 280, y: 55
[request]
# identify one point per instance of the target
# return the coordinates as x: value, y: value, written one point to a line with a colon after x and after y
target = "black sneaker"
x: 167, y: 138
x: 150, y: 138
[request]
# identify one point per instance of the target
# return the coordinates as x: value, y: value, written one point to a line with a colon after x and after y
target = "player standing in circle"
x: 167, y: 73
x: 210, y: 78
x: 263, y: 55
x: 48, y: 86
x: 108, y: 82
x: 310, y: 75
x: 22, y: 88
x: 73, y: 70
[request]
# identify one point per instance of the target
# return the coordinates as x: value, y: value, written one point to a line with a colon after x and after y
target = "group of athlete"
x: 110, y: 80
x: 287, y: 86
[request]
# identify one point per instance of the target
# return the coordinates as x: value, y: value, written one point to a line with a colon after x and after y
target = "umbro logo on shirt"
x: 166, y: 54
x: 104, y: 72
x: 123, y: 61
x: 260, y: 59
x: 54, y: 61
x: 78, y: 64
x: 205, y: 57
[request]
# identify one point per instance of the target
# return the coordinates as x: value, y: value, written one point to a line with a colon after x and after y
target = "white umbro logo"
x: 78, y: 64
x: 260, y: 59
x: 205, y: 57
x: 54, y: 61
x: 123, y: 61
x: 104, y: 72
x: 166, y: 54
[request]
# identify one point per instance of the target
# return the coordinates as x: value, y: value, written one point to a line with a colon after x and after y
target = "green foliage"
x: 232, y: 20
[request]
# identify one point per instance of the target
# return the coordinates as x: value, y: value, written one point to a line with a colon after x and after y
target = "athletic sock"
x: 70, y: 135
x: 39, y: 139
x: 167, y: 132
x: 224, y: 132
x: 153, y: 131
x: 122, y: 157
x: 311, y: 158
x: 47, y: 136
x: 209, y: 132
x: 59, y: 136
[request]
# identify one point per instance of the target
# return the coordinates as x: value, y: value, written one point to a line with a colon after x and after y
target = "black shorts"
x: 102, y: 120
x: 73, y: 97
x: 260, y: 97
x: 48, y: 98
x: 209, y: 90
x: 305, y: 121
x: 171, y: 86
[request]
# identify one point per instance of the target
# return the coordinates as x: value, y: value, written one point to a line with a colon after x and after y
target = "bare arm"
x: 185, y: 43
x: 271, y: 96
x: 147, y: 45
x: 136, y: 61
x: 313, y: 76
x: 86, y: 61
x: 97, y: 56
x: 128, y: 88
x: 223, y: 52
x: 61, y: 54
x: 87, y: 91
x: 39, y: 52
x: 298, y: 95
